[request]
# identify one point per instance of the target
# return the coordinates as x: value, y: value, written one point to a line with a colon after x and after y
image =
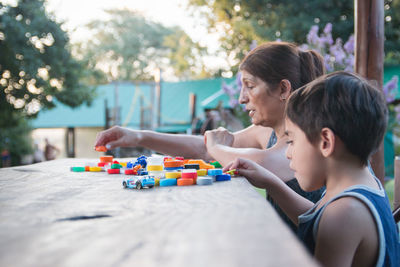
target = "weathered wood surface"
x: 43, y: 209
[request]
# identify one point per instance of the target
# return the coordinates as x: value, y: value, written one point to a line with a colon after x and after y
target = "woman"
x: 270, y: 73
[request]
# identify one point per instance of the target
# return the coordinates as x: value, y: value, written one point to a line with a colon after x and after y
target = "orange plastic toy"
x: 182, y: 182
x: 173, y: 163
x: 201, y: 163
x: 100, y: 148
x: 106, y: 159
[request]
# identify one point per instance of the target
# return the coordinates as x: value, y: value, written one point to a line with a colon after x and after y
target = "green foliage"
x: 36, y: 67
x: 129, y: 47
x: 16, y: 138
x: 392, y: 32
x: 184, y: 56
x: 268, y: 20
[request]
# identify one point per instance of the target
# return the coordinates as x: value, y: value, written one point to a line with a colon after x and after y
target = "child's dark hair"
x: 345, y: 103
x: 273, y: 62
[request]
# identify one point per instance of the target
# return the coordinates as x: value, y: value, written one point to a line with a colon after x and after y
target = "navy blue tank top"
x: 378, y: 203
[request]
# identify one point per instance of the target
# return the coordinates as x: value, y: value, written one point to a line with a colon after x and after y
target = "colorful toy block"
x: 173, y: 175
x: 101, y: 164
x: 183, y: 182
x: 116, y: 166
x: 78, y: 169
x: 173, y: 163
x: 95, y: 169
x: 113, y: 171
x: 202, y: 172
x: 204, y: 180
x: 106, y: 159
x: 130, y: 172
x: 222, y: 177
x: 216, y: 164
x: 201, y: 163
x: 154, y: 168
x: 168, y: 182
x: 100, y: 148
x: 213, y: 172
x: 192, y: 166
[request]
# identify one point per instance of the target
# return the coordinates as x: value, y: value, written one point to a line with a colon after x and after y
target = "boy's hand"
x: 254, y: 173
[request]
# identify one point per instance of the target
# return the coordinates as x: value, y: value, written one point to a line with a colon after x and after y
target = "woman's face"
x: 264, y: 105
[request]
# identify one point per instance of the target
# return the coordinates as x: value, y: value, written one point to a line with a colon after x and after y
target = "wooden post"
x: 192, y: 106
x: 369, y: 55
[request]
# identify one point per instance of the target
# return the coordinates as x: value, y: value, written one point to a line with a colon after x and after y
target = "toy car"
x: 139, y: 182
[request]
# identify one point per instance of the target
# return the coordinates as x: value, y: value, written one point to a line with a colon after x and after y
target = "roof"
x: 174, y: 105
x: 175, y: 115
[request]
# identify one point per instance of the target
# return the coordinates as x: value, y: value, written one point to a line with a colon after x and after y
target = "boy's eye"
x: 289, y: 142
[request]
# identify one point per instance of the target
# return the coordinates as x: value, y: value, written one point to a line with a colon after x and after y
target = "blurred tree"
x: 129, y: 47
x: 36, y: 66
x: 264, y: 20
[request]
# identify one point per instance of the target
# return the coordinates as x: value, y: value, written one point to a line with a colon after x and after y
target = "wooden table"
x: 50, y: 216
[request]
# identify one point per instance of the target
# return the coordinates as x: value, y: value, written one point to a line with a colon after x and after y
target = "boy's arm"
x: 344, y: 224
x: 288, y: 200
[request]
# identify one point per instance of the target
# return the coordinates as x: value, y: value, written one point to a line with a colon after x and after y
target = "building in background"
x: 74, y: 130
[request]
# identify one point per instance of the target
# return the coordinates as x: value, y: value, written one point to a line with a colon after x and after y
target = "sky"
x: 76, y: 13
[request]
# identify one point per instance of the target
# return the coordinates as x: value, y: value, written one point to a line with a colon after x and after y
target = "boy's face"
x: 305, y: 158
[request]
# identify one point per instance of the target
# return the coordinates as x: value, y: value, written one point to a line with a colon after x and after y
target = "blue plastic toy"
x: 168, y: 182
x: 223, y: 177
x: 213, y: 172
x: 139, y: 182
x: 142, y: 160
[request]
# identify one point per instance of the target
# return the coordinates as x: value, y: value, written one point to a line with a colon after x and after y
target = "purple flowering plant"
x: 338, y: 56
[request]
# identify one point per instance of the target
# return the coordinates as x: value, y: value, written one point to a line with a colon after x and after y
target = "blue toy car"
x: 139, y: 182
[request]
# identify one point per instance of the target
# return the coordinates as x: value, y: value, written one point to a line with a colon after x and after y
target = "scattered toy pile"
x: 159, y: 171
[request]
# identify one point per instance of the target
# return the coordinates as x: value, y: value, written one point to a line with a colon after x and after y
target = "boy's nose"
x: 289, y: 153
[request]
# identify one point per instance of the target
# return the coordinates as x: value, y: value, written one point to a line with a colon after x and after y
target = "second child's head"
x: 339, y: 116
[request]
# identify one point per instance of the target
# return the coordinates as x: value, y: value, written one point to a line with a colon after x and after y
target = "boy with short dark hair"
x: 333, y: 125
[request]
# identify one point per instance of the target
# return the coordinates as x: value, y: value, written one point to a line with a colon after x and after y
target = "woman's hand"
x: 220, y: 136
x: 118, y: 137
x: 253, y: 172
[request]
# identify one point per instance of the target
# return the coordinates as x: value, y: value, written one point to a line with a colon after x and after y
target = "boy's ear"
x: 286, y: 88
x: 327, y: 142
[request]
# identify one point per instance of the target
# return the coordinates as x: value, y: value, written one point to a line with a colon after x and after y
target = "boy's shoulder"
x: 345, y: 211
x: 345, y: 224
